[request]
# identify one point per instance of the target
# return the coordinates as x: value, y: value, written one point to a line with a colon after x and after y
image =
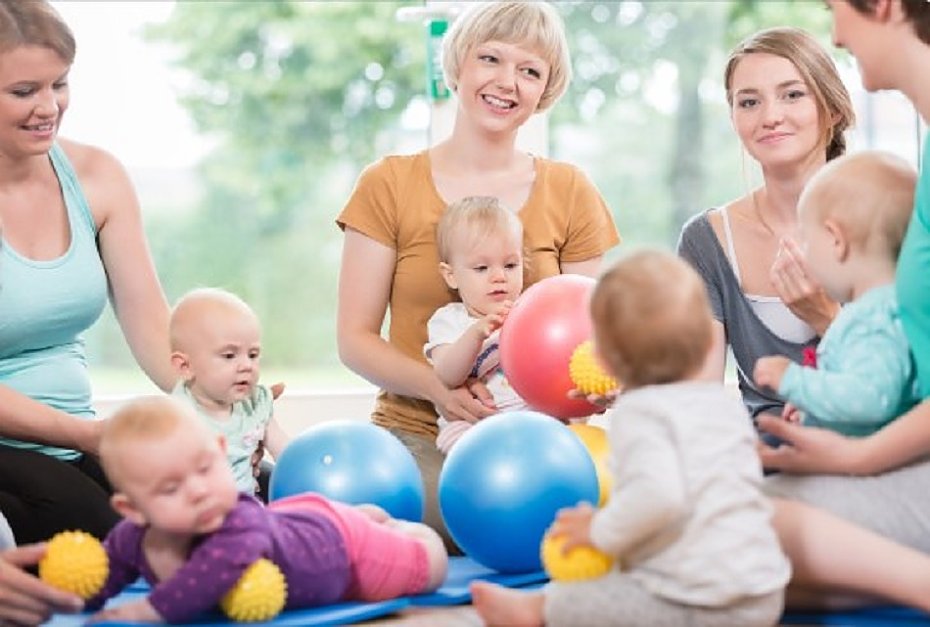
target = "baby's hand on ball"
x: 575, y: 524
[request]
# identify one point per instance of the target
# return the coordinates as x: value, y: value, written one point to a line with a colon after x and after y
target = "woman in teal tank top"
x: 72, y: 237
x: 879, y: 482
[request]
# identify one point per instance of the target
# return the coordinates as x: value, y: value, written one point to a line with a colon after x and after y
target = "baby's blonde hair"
x: 142, y: 419
x: 536, y: 25
x: 652, y: 319
x: 473, y: 219
x: 869, y: 194
x: 188, y: 312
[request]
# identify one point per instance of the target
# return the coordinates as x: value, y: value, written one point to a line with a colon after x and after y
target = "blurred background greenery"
x: 296, y: 97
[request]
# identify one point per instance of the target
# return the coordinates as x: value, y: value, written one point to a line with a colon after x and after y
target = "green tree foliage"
x: 297, y: 95
x: 650, y: 74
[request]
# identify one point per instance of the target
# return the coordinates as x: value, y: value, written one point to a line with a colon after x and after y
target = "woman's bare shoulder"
x: 90, y: 161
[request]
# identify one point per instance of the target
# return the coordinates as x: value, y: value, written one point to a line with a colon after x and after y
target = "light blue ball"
x: 351, y: 462
x: 504, y: 481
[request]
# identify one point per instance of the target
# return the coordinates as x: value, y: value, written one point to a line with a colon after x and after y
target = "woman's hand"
x: 471, y: 402
x: 800, y: 292
x: 808, y: 450
x: 25, y: 599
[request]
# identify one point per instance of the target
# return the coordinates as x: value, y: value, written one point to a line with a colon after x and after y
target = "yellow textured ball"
x: 75, y: 561
x: 579, y: 564
x: 586, y: 373
x: 595, y: 440
x: 259, y: 595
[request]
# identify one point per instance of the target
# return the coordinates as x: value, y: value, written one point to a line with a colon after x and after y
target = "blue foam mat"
x: 462, y: 571
x: 338, y: 614
x: 866, y: 617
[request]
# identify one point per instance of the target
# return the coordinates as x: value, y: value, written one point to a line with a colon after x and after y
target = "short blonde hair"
x: 140, y: 420
x: 534, y: 24
x: 834, y: 106
x: 188, y: 311
x: 870, y: 195
x: 477, y: 218
x: 652, y: 320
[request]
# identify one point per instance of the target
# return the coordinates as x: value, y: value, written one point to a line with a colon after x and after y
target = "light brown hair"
x: 870, y: 195
x: 834, y: 106
x: 478, y: 217
x: 536, y: 25
x: 142, y: 419
x: 34, y: 23
x: 652, y: 320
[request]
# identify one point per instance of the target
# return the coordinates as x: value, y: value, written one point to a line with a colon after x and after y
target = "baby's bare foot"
x: 498, y: 605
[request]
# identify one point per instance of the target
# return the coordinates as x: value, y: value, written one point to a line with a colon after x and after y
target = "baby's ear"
x: 840, y: 241
x: 182, y: 365
x: 446, y: 271
x: 127, y: 509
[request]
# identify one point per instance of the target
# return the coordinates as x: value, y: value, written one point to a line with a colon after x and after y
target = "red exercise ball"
x: 542, y: 330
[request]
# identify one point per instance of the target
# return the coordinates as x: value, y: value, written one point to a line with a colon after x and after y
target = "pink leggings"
x: 386, y: 562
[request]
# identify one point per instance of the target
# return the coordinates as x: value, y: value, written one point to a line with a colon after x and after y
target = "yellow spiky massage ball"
x: 259, y: 595
x: 587, y: 374
x: 579, y: 564
x: 76, y: 562
x: 595, y: 440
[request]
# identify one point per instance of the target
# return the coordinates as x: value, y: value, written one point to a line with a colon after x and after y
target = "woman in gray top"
x: 850, y: 539
x: 790, y: 110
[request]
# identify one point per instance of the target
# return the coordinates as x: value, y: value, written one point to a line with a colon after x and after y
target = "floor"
x: 456, y: 616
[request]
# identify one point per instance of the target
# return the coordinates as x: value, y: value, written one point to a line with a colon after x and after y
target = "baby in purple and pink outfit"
x: 189, y: 533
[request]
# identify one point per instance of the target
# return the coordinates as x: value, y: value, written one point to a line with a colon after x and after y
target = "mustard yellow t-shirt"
x: 395, y: 203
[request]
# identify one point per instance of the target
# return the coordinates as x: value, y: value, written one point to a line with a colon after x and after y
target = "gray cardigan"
x: 746, y: 335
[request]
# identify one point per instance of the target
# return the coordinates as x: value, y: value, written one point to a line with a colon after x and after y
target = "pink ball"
x: 542, y: 330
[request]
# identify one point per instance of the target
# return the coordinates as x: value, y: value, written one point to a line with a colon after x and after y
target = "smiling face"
x: 500, y: 85
x: 774, y: 112
x: 485, y: 271
x: 33, y: 98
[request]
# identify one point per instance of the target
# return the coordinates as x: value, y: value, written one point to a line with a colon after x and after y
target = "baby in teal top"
x: 853, y: 215
x: 216, y: 347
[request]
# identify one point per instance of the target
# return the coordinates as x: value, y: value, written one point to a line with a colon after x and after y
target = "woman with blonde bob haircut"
x: 790, y: 111
x: 535, y: 23
x: 505, y: 61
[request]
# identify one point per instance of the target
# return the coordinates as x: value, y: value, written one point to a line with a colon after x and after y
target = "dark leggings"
x: 41, y: 495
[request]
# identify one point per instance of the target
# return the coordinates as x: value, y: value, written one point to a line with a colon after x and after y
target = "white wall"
x: 294, y: 411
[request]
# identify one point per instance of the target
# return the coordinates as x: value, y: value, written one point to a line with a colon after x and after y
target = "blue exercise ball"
x: 351, y: 462
x: 504, y: 481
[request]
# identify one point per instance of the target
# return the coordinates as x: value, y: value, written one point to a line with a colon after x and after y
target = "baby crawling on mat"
x: 189, y: 533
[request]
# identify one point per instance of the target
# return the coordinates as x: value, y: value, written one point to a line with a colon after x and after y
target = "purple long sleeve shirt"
x: 306, y: 546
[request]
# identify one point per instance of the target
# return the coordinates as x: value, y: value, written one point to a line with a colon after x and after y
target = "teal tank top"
x: 913, y: 277
x: 45, y: 306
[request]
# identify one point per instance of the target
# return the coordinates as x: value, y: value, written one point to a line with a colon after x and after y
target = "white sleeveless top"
x: 770, y: 310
